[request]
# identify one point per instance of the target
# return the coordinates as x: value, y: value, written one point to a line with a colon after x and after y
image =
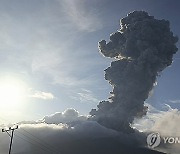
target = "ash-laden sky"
x: 51, y: 76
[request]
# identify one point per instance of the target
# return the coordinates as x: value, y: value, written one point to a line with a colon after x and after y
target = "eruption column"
x: 141, y: 49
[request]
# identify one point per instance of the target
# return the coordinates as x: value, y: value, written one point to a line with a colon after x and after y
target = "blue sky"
x: 50, y: 46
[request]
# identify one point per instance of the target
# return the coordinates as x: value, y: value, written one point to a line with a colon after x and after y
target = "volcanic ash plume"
x: 143, y: 47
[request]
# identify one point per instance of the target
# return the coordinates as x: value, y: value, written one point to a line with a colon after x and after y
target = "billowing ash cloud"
x: 80, y: 137
x: 143, y: 47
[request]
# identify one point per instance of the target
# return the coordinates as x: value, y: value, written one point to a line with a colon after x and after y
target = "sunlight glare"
x: 12, y: 92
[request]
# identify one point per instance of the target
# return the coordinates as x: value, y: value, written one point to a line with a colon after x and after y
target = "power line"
x: 36, y: 143
x: 45, y: 150
x: 39, y: 143
x: 45, y: 143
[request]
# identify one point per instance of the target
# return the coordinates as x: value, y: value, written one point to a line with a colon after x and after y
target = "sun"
x: 12, y: 92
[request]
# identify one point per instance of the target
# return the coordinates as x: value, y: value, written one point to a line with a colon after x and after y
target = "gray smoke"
x: 143, y: 47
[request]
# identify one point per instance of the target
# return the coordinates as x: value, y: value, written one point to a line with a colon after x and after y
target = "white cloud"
x: 164, y: 122
x: 175, y: 101
x: 42, y: 95
x: 79, y: 13
x: 69, y: 115
x: 156, y: 120
x: 42, y: 42
x: 85, y: 96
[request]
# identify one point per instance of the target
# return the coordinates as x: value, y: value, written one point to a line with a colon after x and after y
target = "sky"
x: 52, y: 75
x: 50, y: 49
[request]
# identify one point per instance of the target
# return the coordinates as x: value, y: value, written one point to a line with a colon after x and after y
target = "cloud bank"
x: 69, y: 133
x: 163, y: 122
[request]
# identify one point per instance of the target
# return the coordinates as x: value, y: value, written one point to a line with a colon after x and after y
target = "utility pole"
x: 11, y: 134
